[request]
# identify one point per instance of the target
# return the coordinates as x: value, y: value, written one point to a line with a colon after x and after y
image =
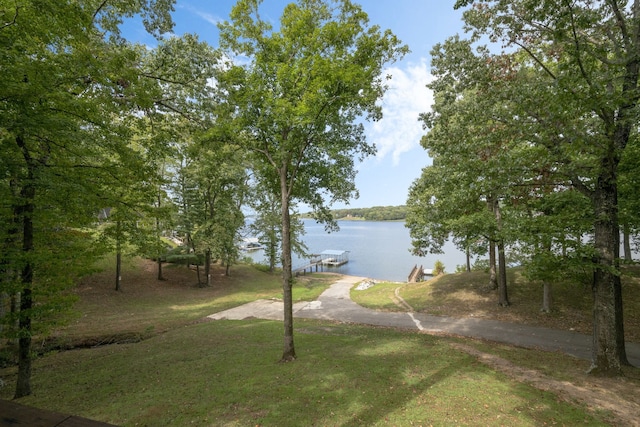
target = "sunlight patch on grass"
x: 192, y: 307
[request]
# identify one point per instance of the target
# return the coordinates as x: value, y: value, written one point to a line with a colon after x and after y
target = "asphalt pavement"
x: 335, y: 304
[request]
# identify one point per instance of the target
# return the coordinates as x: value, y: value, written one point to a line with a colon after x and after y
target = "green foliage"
x: 298, y: 104
x: 183, y: 255
x: 375, y: 213
x: 74, y: 140
x: 552, y: 111
x: 299, y: 98
x: 438, y: 268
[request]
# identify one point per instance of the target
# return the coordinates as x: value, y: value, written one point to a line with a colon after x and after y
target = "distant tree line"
x: 376, y: 213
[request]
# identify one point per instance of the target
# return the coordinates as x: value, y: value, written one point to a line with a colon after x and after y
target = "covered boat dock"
x: 334, y: 258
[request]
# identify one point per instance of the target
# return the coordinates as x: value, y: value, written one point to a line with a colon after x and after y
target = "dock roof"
x: 332, y: 252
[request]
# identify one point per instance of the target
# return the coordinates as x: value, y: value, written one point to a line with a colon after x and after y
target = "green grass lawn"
x: 224, y: 373
x: 185, y: 371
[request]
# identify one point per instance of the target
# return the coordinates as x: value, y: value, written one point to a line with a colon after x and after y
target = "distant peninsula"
x: 376, y: 213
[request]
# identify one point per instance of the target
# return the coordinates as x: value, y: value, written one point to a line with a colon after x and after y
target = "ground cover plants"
x: 187, y: 371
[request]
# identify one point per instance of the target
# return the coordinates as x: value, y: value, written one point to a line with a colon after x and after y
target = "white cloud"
x: 208, y: 17
x: 399, y: 130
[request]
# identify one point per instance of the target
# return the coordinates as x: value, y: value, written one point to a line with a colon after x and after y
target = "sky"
x: 384, y: 179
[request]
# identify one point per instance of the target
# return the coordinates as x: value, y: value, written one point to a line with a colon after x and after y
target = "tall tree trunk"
x: 160, y: 276
x: 493, y: 280
x: 207, y: 267
x: 608, y: 352
x: 192, y: 244
x: 493, y: 276
x: 503, y: 298
x: 288, y: 353
x: 468, y: 255
x: 158, y: 230
x: 627, y: 242
x: 118, y: 256
x: 547, y: 297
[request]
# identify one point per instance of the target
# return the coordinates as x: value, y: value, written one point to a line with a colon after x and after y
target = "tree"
x: 572, y: 82
x: 68, y: 75
x: 267, y: 226
x: 477, y: 163
x: 299, y: 102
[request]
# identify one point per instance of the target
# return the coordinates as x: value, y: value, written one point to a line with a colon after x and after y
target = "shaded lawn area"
x: 224, y: 373
x: 147, y: 306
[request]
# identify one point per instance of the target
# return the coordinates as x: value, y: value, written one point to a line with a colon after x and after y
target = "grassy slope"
x: 466, y: 294
x: 225, y: 372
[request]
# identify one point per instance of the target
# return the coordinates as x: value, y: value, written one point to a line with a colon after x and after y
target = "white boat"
x: 251, y: 244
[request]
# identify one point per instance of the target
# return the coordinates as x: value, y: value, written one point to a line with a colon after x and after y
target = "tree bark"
x: 207, y: 267
x: 159, y: 232
x: 288, y: 353
x: 608, y: 351
x: 118, y: 255
x: 547, y: 297
x: 503, y: 298
x: 160, y: 276
x: 468, y: 255
x: 493, y: 279
x: 118, y: 269
x: 627, y: 243
x: 493, y: 276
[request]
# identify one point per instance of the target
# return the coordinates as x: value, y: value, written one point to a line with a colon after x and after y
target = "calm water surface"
x: 377, y: 249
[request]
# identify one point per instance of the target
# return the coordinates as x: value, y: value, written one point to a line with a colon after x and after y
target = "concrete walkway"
x: 335, y: 304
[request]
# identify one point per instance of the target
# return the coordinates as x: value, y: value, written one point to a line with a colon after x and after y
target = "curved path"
x: 335, y: 304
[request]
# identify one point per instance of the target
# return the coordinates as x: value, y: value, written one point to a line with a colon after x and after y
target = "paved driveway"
x: 335, y: 304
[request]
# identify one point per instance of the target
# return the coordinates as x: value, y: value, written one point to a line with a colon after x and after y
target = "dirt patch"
x: 615, y: 395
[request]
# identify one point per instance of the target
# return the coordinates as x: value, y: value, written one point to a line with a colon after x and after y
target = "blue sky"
x: 384, y: 179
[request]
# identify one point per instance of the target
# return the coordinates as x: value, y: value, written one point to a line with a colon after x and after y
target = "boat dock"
x: 334, y: 258
x: 417, y: 274
x: 329, y: 258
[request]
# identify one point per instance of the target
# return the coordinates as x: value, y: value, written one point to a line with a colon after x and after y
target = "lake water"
x: 377, y: 249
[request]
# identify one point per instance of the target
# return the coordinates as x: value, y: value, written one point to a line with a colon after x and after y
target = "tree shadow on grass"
x: 354, y: 375
x: 226, y: 373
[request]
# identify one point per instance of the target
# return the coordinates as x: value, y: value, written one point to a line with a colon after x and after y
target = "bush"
x: 181, y: 255
x: 438, y: 268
